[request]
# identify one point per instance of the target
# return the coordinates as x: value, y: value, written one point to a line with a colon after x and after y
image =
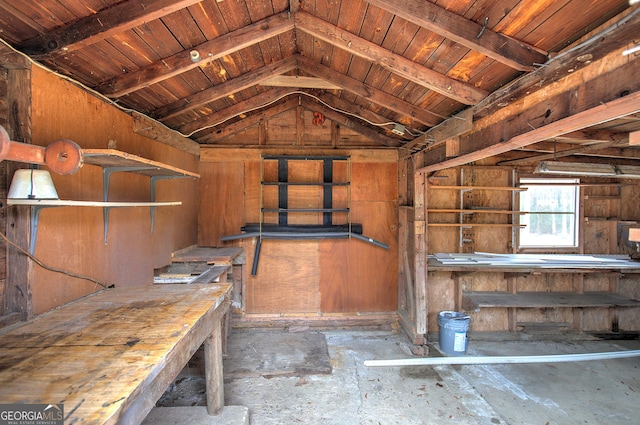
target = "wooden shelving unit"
x: 309, y: 214
x: 111, y: 161
x: 610, y: 267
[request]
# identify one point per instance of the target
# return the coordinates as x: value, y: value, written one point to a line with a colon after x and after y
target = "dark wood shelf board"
x: 547, y: 299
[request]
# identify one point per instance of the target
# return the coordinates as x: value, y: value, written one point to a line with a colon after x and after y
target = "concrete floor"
x: 279, y: 392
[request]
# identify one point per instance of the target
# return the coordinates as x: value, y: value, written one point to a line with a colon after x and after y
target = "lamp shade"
x: 32, y: 184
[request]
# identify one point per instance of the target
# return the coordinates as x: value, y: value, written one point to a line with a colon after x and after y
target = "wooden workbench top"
x: 207, y: 254
x: 109, y: 356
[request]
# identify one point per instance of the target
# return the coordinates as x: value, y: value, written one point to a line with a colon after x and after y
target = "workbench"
x: 231, y: 257
x: 108, y: 357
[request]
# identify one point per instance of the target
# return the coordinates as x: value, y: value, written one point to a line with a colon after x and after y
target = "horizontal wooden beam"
x: 455, y: 126
x: 564, y: 153
x: 426, y: 77
x: 463, y: 31
x: 602, y: 113
x: 368, y: 92
x: 296, y: 81
x: 152, y: 129
x: 623, y: 30
x: 111, y: 20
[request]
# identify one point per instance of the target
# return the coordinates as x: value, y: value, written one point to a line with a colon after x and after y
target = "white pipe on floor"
x: 555, y: 358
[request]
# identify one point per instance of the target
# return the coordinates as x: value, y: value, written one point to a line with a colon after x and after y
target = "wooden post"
x: 213, y: 366
x: 19, y: 269
x: 420, y: 246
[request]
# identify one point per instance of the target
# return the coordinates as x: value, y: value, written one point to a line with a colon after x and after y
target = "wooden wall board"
x: 338, y: 291
x: 287, y: 279
x: 597, y: 319
x: 629, y: 208
x: 483, y: 282
x: 309, y: 277
x: 445, y: 239
x: 63, y: 111
x: 601, y: 237
x: 371, y: 182
x: 441, y: 295
x: 544, y: 315
x: 546, y: 282
x: 487, y: 320
x: 221, y: 201
x: 492, y: 239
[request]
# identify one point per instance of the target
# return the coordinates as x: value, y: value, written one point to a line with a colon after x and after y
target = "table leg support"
x: 213, y: 366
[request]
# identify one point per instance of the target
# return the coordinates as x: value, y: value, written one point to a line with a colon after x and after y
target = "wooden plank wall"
x: 307, y: 277
x: 72, y: 238
x: 607, y: 210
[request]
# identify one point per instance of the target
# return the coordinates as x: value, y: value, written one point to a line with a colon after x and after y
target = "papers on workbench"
x: 537, y: 260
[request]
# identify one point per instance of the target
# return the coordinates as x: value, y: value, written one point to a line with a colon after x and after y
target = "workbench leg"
x: 213, y: 367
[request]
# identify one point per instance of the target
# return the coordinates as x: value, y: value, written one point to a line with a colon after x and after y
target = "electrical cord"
x: 283, y: 96
x: 50, y: 268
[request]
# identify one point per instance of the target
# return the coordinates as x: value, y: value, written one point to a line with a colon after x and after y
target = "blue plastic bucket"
x: 453, y: 332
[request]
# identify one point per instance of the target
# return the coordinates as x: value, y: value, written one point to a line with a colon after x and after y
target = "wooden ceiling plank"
x: 99, y: 26
x: 454, y: 89
x: 511, y: 52
x: 369, y: 92
x: 248, y: 122
x: 216, y: 118
x: 602, y: 113
x: 208, y: 51
x: 623, y: 31
x: 245, y: 81
x: 347, y: 122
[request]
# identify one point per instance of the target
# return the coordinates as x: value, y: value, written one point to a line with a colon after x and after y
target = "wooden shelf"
x: 475, y: 300
x: 69, y: 203
x: 111, y: 158
x: 111, y: 161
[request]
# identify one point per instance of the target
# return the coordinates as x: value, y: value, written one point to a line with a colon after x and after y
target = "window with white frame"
x: 549, y: 212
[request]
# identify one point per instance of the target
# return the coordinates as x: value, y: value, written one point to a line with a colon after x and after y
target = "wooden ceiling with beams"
x: 410, y: 74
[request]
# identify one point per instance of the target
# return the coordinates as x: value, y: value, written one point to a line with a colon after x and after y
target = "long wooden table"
x: 108, y: 357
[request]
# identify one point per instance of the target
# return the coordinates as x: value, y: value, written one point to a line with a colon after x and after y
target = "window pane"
x: 552, y: 213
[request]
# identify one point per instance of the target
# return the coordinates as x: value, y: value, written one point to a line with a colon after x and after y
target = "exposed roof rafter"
x: 463, y: 31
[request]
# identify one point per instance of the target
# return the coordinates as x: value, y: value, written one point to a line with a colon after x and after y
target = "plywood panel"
x: 287, y: 279
x: 221, y: 201
x: 373, y: 271
x: 374, y: 182
x: 72, y: 238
